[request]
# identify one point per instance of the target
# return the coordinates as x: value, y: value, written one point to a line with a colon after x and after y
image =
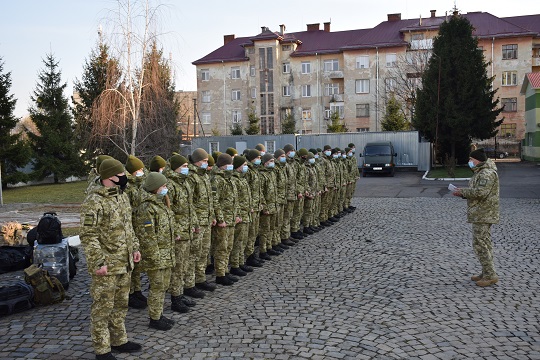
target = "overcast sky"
x: 30, y: 29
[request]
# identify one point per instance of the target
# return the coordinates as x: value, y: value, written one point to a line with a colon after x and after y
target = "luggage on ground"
x: 15, y: 296
x: 49, y: 229
x: 13, y: 258
x: 55, y: 258
x: 47, y: 289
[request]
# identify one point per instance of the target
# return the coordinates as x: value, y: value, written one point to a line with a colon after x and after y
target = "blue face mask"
x: 270, y: 165
x: 282, y: 159
x: 316, y: 156
x: 204, y: 165
x: 257, y: 162
x: 229, y: 167
x: 163, y: 192
x: 184, y: 171
x: 335, y: 156
x: 139, y: 173
x: 311, y: 161
x: 471, y: 164
x: 262, y: 153
x: 292, y: 153
x: 327, y: 153
x: 245, y: 169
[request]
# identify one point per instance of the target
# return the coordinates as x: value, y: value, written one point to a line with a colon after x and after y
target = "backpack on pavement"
x: 15, y: 296
x: 49, y: 229
x: 47, y: 289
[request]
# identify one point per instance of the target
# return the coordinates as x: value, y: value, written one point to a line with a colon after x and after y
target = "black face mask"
x: 122, y: 181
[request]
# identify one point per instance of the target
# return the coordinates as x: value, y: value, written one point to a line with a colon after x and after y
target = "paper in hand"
x: 452, y: 188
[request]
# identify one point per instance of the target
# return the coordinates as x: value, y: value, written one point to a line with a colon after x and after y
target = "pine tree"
x: 54, y: 149
x: 456, y: 102
x: 14, y: 152
x: 288, y: 126
x: 336, y: 124
x: 236, y: 129
x: 394, y: 120
x: 253, y: 127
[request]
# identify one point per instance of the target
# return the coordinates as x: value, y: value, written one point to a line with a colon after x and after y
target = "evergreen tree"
x: 100, y: 72
x: 456, y: 102
x: 336, y: 124
x: 288, y: 126
x: 54, y: 148
x: 253, y: 127
x: 394, y: 120
x: 236, y: 129
x: 14, y: 152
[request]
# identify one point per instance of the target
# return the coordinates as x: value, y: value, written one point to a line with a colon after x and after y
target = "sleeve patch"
x: 88, y: 220
x: 482, y: 182
x: 147, y: 223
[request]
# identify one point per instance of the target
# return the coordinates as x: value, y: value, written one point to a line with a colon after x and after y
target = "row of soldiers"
x: 202, y: 214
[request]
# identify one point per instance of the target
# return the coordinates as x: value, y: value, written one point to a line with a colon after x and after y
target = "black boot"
x: 193, y: 292
x: 187, y: 301
x: 307, y: 231
x: 178, y: 305
x: 246, y: 268
x: 238, y: 272
x: 128, y: 347
x: 206, y: 286
x: 272, y: 252
x: 139, y: 295
x: 107, y: 356
x: 288, y: 242
x: 296, y: 241
x: 223, y: 280
x: 283, y: 246
x: 297, y: 235
x: 167, y: 320
x: 265, y: 256
x: 278, y: 248
x: 231, y: 277
x: 252, y: 261
x: 209, y: 269
x: 160, y: 324
x: 135, y: 302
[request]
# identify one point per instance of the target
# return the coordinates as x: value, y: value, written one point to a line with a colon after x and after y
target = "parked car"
x: 492, y: 153
x: 379, y: 157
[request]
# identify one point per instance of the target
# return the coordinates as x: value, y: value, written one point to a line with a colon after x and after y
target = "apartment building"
x: 314, y: 73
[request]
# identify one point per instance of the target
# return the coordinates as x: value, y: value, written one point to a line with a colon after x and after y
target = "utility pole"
x: 194, y: 117
x: 1, y: 198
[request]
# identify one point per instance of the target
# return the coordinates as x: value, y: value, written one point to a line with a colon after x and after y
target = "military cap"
x: 110, y: 168
x: 319, y: 150
x: 310, y: 155
x: 479, y: 155
x: 198, y: 155
x: 252, y: 154
x: 351, y: 145
x: 231, y: 151
x: 267, y: 157
x: 313, y: 151
x: 100, y: 159
x: 215, y: 154
x: 260, y: 147
x: 238, y: 161
x: 278, y: 153
x: 288, y: 148
x: 302, y: 152
x: 157, y: 163
x: 327, y: 147
x: 347, y: 149
x: 154, y: 181
x: 211, y: 161
x: 176, y: 161
x: 224, y: 159
x: 133, y: 164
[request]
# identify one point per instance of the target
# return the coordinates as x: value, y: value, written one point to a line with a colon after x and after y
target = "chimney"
x: 282, y: 29
x: 227, y: 39
x: 327, y: 26
x: 313, y: 27
x: 432, y: 13
x: 394, y: 17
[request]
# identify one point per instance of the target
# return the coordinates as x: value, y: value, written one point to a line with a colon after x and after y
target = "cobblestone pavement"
x: 390, y: 281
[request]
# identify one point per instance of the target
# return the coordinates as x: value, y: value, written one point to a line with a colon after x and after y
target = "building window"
x: 306, y: 67
x: 331, y: 65
x: 205, y: 74
x: 205, y: 118
x: 509, y: 78
x: 287, y: 90
x: 339, y: 108
x: 507, y: 130
x: 235, y: 72
x: 362, y: 129
x: 306, y: 90
x: 331, y: 89
x: 391, y: 60
x: 235, y: 95
x: 251, y: 50
x: 362, y: 62
x: 509, y: 52
x: 206, y: 96
x: 306, y: 114
x: 509, y: 104
x: 286, y: 47
x: 236, y: 116
x: 390, y: 84
x: 214, y: 146
x: 286, y: 68
x: 253, y: 92
x: 362, y: 110
x: 270, y: 146
x: 252, y: 70
x: 362, y: 86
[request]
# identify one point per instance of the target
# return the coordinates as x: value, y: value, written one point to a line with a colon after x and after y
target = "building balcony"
x: 336, y: 98
x: 536, y: 61
x: 335, y: 75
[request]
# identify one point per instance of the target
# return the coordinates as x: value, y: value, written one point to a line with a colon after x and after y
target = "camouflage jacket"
x: 181, y: 196
x: 225, y: 196
x: 337, y: 172
x: 483, y: 194
x: 355, y: 173
x: 107, y: 232
x: 321, y: 178
x: 133, y: 189
x: 244, y: 196
x: 312, y: 183
x: 329, y: 172
x: 300, y: 176
x: 254, y: 181
x: 281, y: 182
x: 290, y: 170
x: 269, y: 190
x: 93, y: 182
x: 155, y: 228
x: 202, y: 195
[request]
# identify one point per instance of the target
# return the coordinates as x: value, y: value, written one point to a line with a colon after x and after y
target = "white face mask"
x: 335, y: 156
x: 139, y: 173
x: 245, y: 169
x: 282, y: 159
x: 311, y: 161
x: 163, y: 191
x: 229, y: 167
x: 263, y: 152
x: 471, y: 164
x: 270, y: 165
x: 291, y: 154
x: 316, y: 156
x: 327, y: 153
x: 184, y: 171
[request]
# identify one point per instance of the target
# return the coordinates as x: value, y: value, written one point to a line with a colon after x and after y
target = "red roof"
x: 529, y: 22
x: 534, y: 80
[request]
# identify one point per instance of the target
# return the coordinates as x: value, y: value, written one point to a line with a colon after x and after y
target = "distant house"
x: 531, y: 142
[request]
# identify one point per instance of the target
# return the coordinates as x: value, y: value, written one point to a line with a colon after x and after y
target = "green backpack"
x: 47, y: 289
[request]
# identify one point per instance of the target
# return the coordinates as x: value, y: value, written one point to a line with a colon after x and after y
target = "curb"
x: 424, y: 177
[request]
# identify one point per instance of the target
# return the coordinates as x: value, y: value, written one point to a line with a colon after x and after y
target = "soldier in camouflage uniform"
x: 203, y: 200
x: 181, y: 195
x: 321, y: 181
x: 136, y: 174
x: 157, y: 232
x: 253, y: 178
x: 482, y: 196
x: 336, y: 158
x: 225, y: 208
x: 157, y: 164
x: 355, y: 175
x: 327, y: 198
x: 269, y: 206
x: 282, y: 237
x: 111, y: 249
x: 93, y: 176
x: 301, y: 191
x: 311, y: 192
x: 292, y: 195
x: 245, y: 210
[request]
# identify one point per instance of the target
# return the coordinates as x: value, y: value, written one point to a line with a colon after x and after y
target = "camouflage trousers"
x: 309, y: 208
x: 285, y: 225
x: 483, y: 248
x: 108, y: 312
x: 253, y: 233
x: 336, y: 201
x: 316, y: 211
x: 159, y: 281
x: 278, y: 224
x: 265, y: 232
x: 241, y: 232
x: 202, y: 260
x: 297, y: 215
x: 224, y: 243
x: 191, y: 261
x: 326, y: 202
x: 135, y: 279
x: 179, y: 271
x: 342, y: 197
x: 349, y: 194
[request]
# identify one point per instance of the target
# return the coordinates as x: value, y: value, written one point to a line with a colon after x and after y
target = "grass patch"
x: 460, y: 172
x: 70, y: 231
x: 66, y: 193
